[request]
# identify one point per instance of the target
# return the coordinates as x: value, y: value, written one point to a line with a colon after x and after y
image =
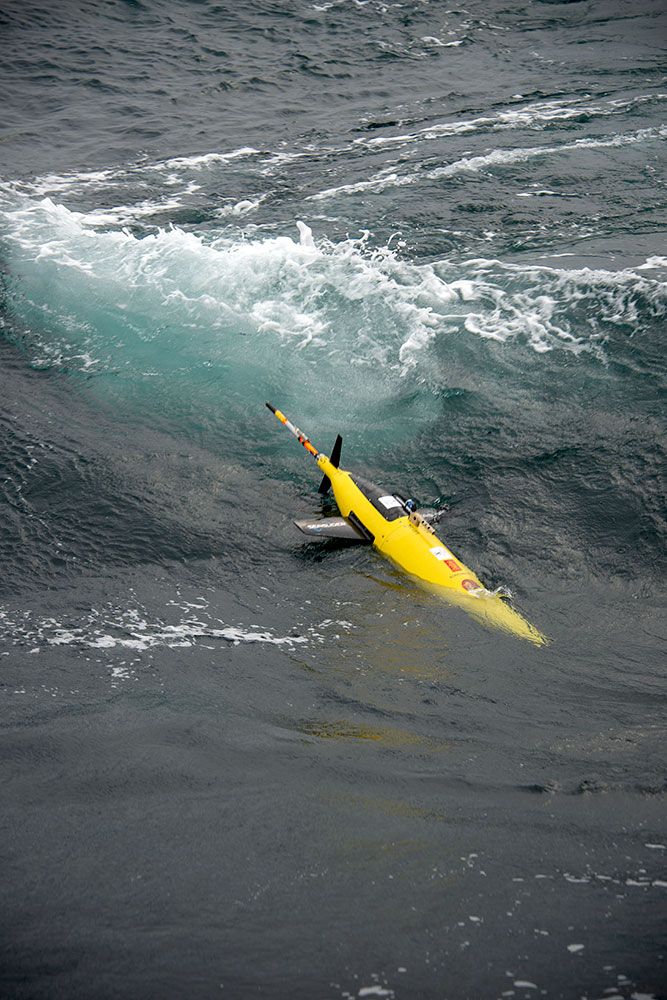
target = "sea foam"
x: 173, y: 304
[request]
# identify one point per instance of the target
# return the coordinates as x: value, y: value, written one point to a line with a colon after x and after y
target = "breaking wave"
x: 174, y: 303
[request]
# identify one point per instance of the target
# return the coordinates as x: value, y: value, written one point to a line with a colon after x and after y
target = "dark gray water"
x: 235, y: 764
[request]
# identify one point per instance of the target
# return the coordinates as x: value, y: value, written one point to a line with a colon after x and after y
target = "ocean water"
x: 236, y: 764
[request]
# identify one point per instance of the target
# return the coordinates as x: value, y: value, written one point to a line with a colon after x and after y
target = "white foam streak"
x: 77, y: 180
x: 134, y: 630
x: 240, y: 208
x: 507, y: 156
x: 496, y: 158
x: 653, y: 264
x: 536, y: 116
x: 206, y: 159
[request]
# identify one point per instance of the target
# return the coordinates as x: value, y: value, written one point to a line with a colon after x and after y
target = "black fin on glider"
x: 335, y: 459
x: 331, y: 527
x: 335, y: 454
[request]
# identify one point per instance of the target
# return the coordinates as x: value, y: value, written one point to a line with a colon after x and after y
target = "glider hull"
x: 414, y: 547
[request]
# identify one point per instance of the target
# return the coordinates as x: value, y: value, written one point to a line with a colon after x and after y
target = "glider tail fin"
x: 335, y: 459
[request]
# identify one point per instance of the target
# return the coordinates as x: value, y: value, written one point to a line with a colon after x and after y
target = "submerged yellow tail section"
x: 412, y: 545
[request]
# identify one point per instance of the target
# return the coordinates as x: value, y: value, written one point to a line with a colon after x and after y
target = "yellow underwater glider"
x: 407, y: 537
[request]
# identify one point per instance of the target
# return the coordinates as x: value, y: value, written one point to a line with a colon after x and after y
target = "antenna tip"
x: 272, y: 408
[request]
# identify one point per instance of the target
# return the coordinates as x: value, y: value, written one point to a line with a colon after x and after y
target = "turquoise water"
x: 239, y: 764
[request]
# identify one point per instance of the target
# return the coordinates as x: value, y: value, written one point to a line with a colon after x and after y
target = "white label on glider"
x: 440, y: 552
x: 389, y: 502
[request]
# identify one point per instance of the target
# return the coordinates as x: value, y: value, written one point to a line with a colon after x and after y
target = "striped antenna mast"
x: 299, y: 435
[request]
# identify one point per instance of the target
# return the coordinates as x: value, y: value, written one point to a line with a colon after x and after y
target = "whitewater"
x: 237, y: 763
